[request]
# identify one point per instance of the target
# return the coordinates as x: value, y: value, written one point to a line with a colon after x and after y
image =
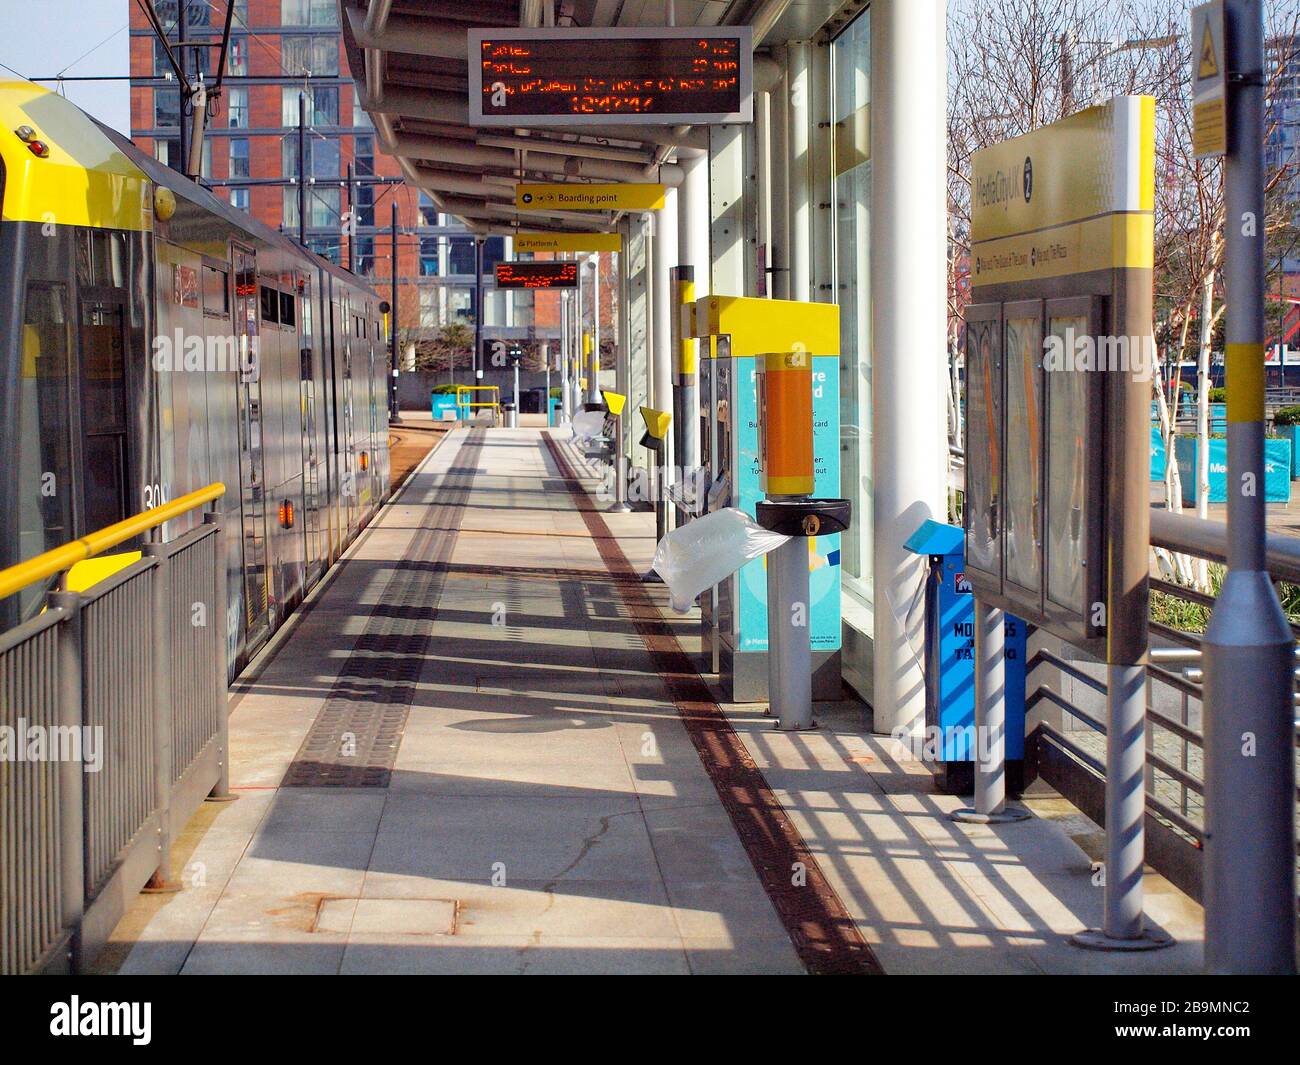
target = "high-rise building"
x: 278, y: 50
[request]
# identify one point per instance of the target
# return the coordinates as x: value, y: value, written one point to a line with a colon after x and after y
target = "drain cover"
x: 387, y: 917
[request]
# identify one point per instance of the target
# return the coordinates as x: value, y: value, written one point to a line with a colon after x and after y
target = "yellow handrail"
x: 16, y: 578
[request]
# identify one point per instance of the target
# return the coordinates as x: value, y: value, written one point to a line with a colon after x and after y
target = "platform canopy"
x: 409, y: 58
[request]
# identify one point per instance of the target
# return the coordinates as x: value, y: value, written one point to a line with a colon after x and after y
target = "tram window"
x: 287, y: 316
x: 216, y: 292
x: 270, y: 305
x: 44, y: 434
x: 103, y: 414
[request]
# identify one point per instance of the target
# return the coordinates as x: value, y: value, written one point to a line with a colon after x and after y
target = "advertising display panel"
x: 1059, y: 359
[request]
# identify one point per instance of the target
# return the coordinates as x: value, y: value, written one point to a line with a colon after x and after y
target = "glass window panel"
x: 216, y: 297
x: 239, y: 157
x: 983, y: 444
x: 237, y: 56
x: 1067, y: 400
x: 295, y: 55
x: 323, y: 209
x: 237, y: 109
x: 428, y: 256
x: 360, y: 117
x: 239, y: 198
x: 270, y: 304
x: 323, y: 159
x: 43, y: 435
x: 293, y: 12
x: 166, y: 108
x: 324, y: 110
x: 1023, y: 360
x: 324, y: 13
x: 851, y: 58
x: 324, y: 55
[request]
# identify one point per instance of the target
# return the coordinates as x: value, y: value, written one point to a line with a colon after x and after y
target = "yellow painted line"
x: 1245, y: 381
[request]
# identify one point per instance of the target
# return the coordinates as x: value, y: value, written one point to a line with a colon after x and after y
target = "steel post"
x: 593, y: 362
x: 72, y: 824
x: 620, y: 504
x: 162, y: 880
x: 1123, y: 923
x: 221, y: 790
x: 686, y: 396
x: 990, y: 739
x: 1250, y: 888
x: 302, y: 170
x: 789, y: 636
x: 394, y: 414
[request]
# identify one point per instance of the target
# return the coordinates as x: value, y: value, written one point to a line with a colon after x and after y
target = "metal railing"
x: 115, y: 699
x: 1174, y: 741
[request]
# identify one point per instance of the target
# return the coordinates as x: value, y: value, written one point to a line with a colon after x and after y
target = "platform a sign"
x: 1209, y: 82
x: 595, y: 197
x: 611, y: 75
x: 567, y: 242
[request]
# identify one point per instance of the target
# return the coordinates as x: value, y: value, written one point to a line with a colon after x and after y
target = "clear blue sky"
x: 41, y: 38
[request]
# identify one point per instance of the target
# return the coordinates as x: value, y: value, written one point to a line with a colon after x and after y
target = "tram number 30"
x: 155, y: 495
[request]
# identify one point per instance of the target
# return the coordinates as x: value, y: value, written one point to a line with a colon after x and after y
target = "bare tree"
x: 1015, y: 65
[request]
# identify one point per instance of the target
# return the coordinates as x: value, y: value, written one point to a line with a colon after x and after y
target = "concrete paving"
x: 547, y: 811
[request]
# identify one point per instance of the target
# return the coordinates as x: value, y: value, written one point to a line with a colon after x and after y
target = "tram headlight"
x: 164, y: 203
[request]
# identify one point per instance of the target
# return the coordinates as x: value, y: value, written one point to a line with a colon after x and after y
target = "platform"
x: 482, y: 747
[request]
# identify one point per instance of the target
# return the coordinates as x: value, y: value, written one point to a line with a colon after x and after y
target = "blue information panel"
x: 823, y: 551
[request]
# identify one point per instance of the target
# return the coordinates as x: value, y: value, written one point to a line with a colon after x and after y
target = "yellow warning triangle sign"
x: 1209, y: 67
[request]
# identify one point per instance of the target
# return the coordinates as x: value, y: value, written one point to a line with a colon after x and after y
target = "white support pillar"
x: 693, y: 220
x: 763, y: 190
x: 908, y: 295
x: 778, y: 255
x: 799, y: 151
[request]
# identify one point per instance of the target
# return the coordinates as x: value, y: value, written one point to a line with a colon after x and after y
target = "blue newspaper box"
x: 949, y: 743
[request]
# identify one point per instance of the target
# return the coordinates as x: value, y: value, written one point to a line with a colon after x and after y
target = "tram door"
x: 105, y: 492
x: 252, y: 480
x: 311, y: 451
x: 351, y: 488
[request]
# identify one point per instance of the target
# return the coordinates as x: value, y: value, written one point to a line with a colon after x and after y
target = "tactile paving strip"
x: 820, y: 927
x: 354, y: 740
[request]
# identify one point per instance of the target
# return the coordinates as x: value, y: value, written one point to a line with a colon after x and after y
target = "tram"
x: 156, y: 339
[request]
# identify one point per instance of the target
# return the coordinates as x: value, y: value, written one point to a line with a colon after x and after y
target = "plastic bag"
x: 588, y: 425
x: 703, y: 552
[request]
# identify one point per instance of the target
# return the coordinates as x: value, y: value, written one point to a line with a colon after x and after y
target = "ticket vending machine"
x: 949, y: 744
x: 738, y: 331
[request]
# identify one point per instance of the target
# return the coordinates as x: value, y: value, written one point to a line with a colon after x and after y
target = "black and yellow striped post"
x: 686, y: 395
x: 1248, y: 650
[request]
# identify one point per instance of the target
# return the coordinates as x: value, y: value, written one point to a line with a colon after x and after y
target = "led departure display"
x: 537, y: 275
x: 553, y: 77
